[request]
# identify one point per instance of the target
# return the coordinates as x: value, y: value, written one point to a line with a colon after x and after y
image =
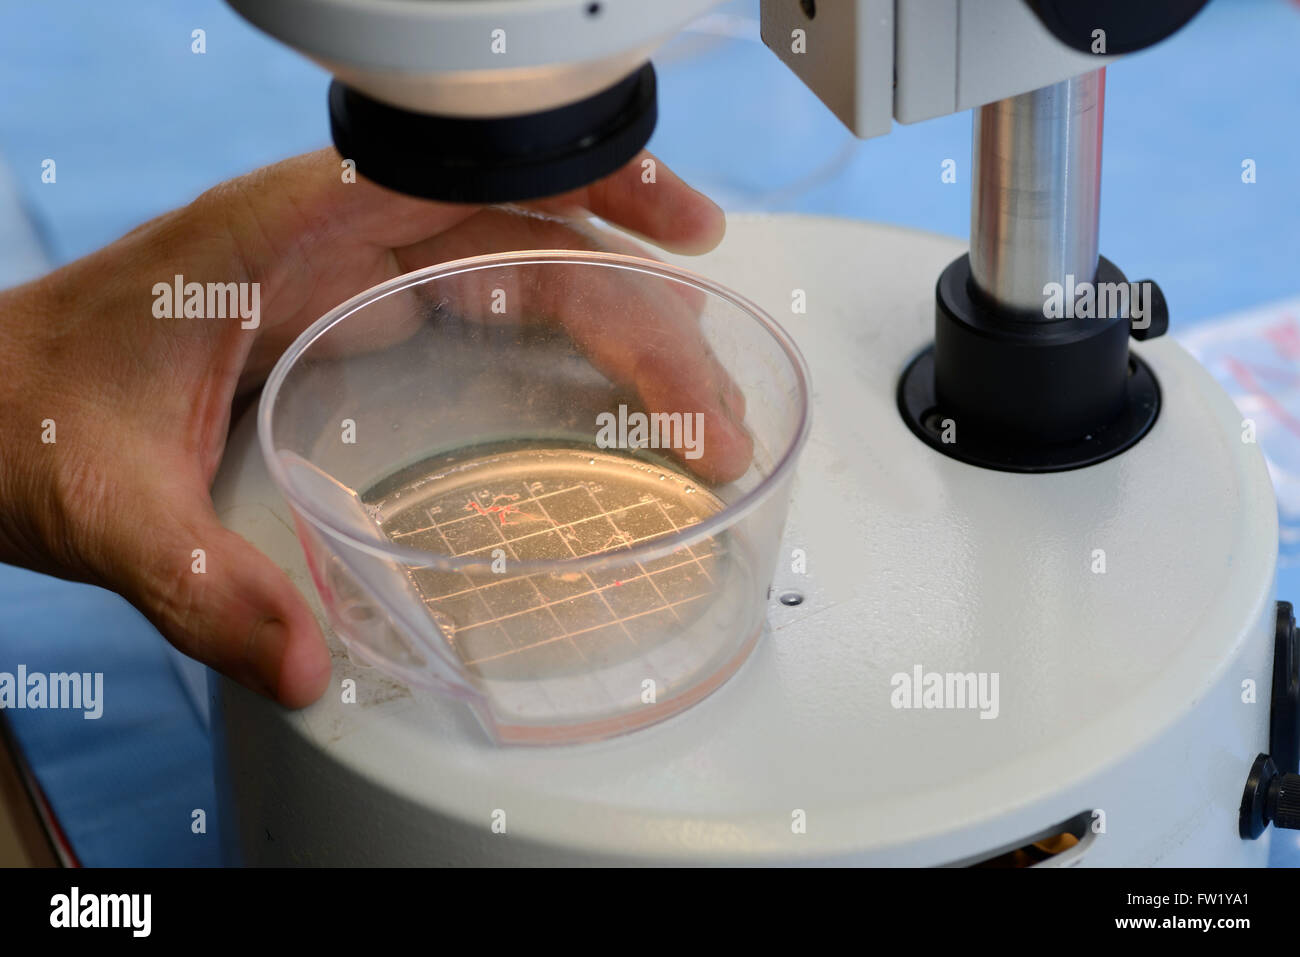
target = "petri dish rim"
x: 665, y: 545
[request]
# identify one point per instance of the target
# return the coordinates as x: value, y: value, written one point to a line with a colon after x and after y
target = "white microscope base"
x: 1120, y: 691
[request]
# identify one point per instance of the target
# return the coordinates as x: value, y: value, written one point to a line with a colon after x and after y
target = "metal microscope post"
x: 1010, y: 383
x: 1036, y: 177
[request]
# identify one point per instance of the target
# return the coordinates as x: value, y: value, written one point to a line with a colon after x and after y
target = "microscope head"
x: 488, y: 101
x: 483, y: 101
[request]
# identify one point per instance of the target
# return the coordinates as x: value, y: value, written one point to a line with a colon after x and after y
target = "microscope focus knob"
x: 1284, y: 801
x: 1284, y: 718
x: 1270, y: 797
x: 1123, y: 26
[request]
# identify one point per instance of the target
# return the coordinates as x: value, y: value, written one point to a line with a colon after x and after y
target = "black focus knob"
x: 1283, y: 801
x: 1284, y: 718
x: 1113, y: 26
x: 1270, y: 797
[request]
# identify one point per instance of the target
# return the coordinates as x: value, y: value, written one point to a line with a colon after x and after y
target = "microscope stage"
x: 1082, y: 640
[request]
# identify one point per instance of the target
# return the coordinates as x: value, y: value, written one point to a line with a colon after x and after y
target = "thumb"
x: 220, y: 600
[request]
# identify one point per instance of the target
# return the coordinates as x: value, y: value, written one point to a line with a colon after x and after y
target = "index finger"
x: 649, y: 200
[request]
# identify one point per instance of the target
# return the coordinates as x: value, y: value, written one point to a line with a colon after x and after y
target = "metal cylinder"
x: 1036, y: 175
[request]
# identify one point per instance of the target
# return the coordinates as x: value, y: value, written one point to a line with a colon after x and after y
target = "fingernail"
x: 266, y: 655
x: 728, y: 454
x: 734, y: 401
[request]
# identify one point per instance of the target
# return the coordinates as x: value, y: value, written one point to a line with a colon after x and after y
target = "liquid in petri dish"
x: 585, y: 640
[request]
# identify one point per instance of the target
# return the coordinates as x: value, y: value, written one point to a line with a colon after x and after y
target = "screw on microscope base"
x: 1270, y: 797
x: 1157, y: 313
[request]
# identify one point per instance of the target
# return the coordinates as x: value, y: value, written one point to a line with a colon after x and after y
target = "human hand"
x: 116, y: 419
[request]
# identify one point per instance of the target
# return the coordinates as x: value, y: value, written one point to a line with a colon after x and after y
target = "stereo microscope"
x: 1054, y: 495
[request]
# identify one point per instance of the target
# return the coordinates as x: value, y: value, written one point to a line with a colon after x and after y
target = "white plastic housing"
x: 875, y: 61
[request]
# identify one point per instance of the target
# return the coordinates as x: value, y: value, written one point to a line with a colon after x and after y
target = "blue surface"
x: 138, y: 124
x: 124, y: 785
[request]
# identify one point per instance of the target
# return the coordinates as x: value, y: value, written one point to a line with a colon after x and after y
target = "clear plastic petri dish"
x: 550, y: 483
